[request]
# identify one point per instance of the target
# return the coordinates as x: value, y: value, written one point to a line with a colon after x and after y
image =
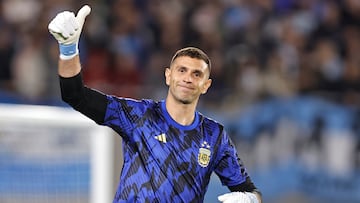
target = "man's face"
x: 187, y: 79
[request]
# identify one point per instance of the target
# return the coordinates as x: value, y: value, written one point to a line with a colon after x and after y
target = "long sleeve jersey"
x: 163, y: 160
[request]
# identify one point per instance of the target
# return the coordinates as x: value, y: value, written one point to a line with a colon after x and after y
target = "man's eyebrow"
x: 199, y: 71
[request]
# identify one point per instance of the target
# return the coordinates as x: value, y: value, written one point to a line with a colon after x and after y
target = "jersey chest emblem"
x: 204, y: 154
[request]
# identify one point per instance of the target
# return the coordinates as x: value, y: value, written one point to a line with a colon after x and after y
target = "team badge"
x: 204, y: 154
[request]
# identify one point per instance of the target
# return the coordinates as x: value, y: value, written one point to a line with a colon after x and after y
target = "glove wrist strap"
x: 68, y: 51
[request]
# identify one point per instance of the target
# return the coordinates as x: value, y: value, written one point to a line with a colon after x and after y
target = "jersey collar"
x: 176, y: 124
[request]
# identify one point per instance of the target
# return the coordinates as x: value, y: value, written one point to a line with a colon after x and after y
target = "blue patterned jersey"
x: 165, y: 161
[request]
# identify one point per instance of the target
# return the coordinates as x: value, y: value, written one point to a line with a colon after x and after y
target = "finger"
x: 82, y: 13
x: 71, y: 21
x: 56, y: 27
x: 53, y: 28
x: 74, y: 24
x: 58, y: 36
x: 58, y: 24
x: 55, y: 23
x: 67, y: 24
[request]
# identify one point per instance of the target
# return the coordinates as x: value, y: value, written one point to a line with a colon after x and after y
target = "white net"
x: 46, y: 156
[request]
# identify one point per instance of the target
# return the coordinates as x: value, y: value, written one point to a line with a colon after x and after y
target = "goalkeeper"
x: 170, y: 149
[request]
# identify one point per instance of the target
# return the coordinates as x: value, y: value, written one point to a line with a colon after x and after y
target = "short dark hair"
x: 193, y: 52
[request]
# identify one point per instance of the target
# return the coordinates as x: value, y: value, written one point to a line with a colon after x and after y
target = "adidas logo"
x: 161, y: 138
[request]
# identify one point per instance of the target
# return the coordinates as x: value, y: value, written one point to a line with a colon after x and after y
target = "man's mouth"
x: 188, y: 88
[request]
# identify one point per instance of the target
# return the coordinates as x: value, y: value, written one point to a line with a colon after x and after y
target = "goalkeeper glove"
x: 66, y: 29
x: 238, y: 197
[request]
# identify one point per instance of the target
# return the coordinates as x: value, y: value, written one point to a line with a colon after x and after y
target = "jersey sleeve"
x: 125, y: 114
x: 87, y: 101
x: 230, y: 167
x: 121, y: 114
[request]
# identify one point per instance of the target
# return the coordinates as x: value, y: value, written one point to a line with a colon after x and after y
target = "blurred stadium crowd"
x: 259, y: 48
x: 286, y: 72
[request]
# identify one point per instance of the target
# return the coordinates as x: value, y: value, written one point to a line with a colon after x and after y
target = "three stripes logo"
x: 161, y: 138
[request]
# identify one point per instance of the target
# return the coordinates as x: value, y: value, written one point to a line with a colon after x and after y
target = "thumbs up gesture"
x: 66, y: 29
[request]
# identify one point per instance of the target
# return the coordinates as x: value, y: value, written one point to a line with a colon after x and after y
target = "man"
x: 170, y: 149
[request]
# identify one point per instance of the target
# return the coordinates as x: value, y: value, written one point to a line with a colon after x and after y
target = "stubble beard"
x: 181, y: 100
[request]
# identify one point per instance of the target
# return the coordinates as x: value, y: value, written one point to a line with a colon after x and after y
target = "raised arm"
x: 69, y: 68
x: 66, y: 29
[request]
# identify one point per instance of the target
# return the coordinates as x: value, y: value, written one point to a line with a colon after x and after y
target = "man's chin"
x: 184, y: 98
x: 184, y: 101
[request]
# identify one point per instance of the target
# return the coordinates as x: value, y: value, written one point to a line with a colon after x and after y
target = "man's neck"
x: 183, y: 114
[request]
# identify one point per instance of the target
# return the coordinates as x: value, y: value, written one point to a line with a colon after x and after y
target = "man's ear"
x: 167, y: 75
x: 206, y: 86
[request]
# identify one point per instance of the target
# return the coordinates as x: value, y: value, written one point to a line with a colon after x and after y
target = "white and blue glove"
x: 238, y: 197
x: 66, y: 28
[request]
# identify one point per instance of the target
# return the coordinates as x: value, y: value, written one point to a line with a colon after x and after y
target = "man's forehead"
x: 189, y: 62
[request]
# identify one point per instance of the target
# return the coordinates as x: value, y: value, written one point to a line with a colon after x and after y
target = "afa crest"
x: 204, y: 154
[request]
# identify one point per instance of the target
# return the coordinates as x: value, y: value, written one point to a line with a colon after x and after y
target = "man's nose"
x: 188, y: 78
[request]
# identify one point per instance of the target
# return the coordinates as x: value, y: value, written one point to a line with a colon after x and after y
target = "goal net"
x: 53, y: 154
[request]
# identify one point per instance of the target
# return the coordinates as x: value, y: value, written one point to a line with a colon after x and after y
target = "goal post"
x: 54, y: 154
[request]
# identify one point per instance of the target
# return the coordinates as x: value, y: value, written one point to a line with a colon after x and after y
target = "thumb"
x: 82, y: 13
